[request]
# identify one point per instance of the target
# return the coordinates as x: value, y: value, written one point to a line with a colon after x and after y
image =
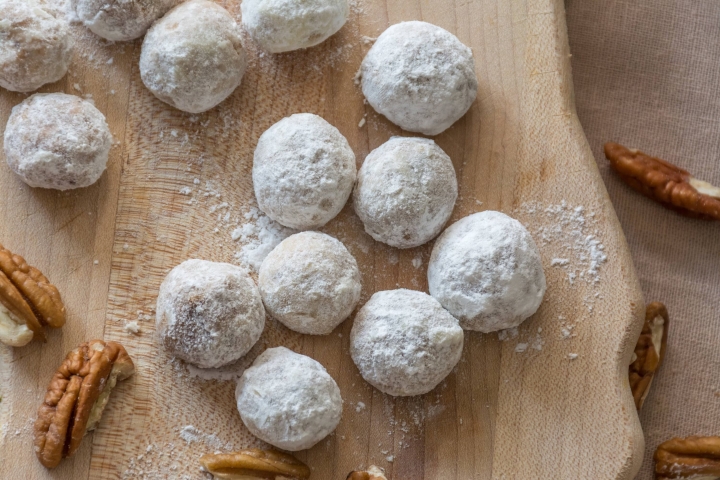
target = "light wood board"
x: 502, y: 414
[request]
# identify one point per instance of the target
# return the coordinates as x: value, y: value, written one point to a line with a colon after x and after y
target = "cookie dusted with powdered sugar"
x: 288, y: 400
x: 119, y: 20
x: 310, y: 283
x: 404, y: 343
x: 57, y: 141
x: 208, y: 313
x: 303, y: 171
x: 406, y: 191
x: 285, y: 25
x: 420, y: 76
x: 193, y: 58
x: 485, y: 269
x: 35, y: 45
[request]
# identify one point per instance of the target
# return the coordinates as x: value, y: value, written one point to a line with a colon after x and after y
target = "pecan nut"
x: 669, y: 185
x: 691, y: 457
x: 255, y: 463
x: 649, y: 351
x: 372, y: 473
x: 76, y: 398
x: 28, y: 301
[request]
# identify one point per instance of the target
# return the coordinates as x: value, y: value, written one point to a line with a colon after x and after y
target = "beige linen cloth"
x: 647, y: 75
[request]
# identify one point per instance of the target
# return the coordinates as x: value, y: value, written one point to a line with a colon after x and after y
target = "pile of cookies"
x: 484, y: 274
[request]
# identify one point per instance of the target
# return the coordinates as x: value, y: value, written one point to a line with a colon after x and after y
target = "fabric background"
x: 647, y: 75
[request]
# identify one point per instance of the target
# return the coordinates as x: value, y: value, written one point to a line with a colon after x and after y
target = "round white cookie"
x: 485, y: 269
x: 285, y: 25
x: 420, y: 76
x: 208, y: 313
x: 35, y: 45
x: 404, y: 343
x: 303, y: 171
x: 57, y: 141
x: 119, y: 20
x: 310, y: 283
x: 406, y: 191
x: 288, y: 400
x: 192, y: 58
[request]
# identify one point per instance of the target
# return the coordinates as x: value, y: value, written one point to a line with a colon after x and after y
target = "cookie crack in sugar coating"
x: 119, y: 20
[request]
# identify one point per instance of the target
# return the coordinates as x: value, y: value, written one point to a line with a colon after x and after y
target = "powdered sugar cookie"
x: 208, y: 313
x: 303, y: 171
x: 485, y: 269
x: 288, y: 400
x: 192, y: 58
x: 284, y: 25
x: 420, y: 76
x: 35, y: 45
x: 405, y: 192
x: 310, y: 283
x: 57, y: 141
x: 404, y: 343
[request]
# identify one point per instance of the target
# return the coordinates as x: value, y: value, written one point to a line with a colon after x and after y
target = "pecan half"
x: 692, y: 457
x: 255, y: 463
x: 649, y: 351
x: 669, y: 185
x: 372, y: 473
x: 28, y: 301
x: 76, y: 398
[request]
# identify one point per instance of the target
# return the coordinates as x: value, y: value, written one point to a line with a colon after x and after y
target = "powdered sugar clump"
x: 258, y: 235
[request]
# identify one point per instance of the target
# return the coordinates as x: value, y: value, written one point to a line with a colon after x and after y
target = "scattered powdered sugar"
x: 258, y: 235
x: 573, y: 231
x: 192, y: 435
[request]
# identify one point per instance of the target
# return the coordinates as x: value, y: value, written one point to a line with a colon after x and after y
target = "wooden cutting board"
x: 550, y: 401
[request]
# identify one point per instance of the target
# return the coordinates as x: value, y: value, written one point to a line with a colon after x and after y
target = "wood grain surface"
x: 516, y: 408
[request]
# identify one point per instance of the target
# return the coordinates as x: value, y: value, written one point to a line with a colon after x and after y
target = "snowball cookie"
x: 310, y: 282
x: 192, y: 58
x: 208, y: 313
x: 284, y: 25
x: 405, y: 192
x: 485, y: 269
x: 404, y: 343
x: 57, y: 141
x: 35, y: 45
x: 420, y: 76
x: 303, y: 171
x: 288, y: 400
x: 119, y: 20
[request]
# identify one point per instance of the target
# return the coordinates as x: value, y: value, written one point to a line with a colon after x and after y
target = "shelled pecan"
x: 690, y: 458
x: 372, y: 473
x: 665, y: 183
x: 76, y: 398
x: 28, y: 301
x: 649, y: 351
x: 255, y: 463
